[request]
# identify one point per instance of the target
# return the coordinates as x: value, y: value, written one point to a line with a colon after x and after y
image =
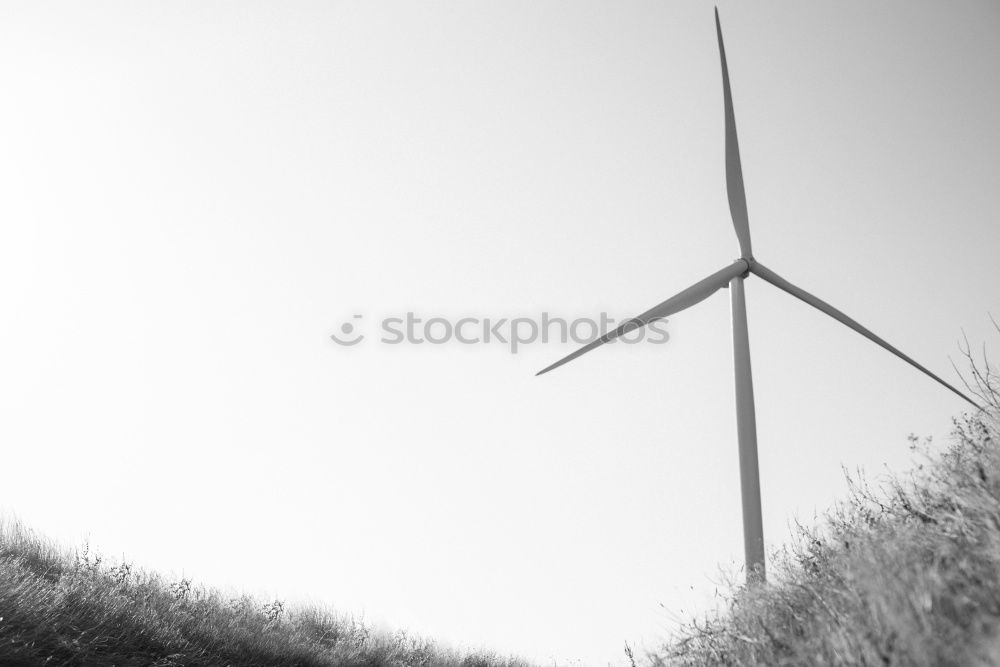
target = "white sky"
x: 197, y: 194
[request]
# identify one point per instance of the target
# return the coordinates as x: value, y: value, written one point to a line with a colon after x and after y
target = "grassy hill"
x: 62, y: 608
x: 904, y: 574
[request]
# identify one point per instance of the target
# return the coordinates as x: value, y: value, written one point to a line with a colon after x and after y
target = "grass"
x: 907, y: 573
x: 904, y: 574
x: 63, y: 608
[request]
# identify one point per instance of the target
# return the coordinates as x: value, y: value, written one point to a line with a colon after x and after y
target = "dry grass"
x: 61, y: 608
x: 904, y: 574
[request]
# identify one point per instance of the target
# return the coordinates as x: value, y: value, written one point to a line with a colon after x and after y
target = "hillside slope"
x: 904, y: 574
x: 58, y: 608
x: 907, y: 573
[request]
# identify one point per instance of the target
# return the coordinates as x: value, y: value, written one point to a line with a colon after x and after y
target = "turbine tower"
x: 732, y: 277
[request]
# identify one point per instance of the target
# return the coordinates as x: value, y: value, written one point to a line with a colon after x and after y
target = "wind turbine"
x: 732, y: 277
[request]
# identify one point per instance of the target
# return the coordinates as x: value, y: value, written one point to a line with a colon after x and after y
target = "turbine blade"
x: 734, y: 172
x: 698, y: 292
x: 779, y: 282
